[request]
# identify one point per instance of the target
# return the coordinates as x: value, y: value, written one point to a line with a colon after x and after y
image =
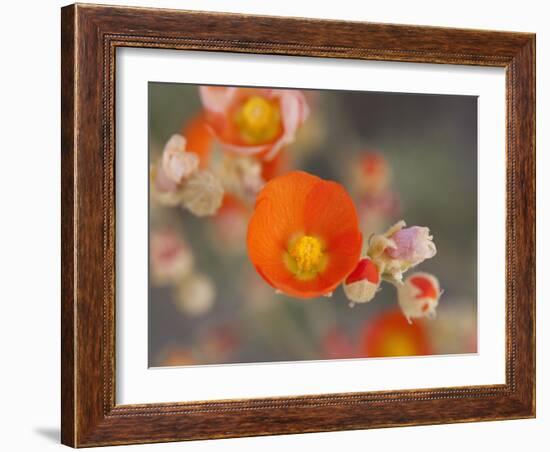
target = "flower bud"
x: 418, y: 296
x: 400, y: 248
x: 412, y: 245
x: 163, y: 189
x: 363, y: 282
x: 177, y: 164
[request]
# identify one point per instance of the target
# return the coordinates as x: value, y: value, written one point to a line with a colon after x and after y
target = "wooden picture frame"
x: 90, y: 36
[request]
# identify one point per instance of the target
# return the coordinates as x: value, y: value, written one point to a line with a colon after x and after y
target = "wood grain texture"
x: 68, y: 310
x: 90, y: 36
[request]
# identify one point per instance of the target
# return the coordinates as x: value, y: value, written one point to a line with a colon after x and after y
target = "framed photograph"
x: 283, y: 225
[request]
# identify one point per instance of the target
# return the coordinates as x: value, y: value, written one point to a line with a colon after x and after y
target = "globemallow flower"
x: 400, y: 248
x: 250, y: 121
x: 419, y: 296
x: 303, y: 237
x: 363, y: 282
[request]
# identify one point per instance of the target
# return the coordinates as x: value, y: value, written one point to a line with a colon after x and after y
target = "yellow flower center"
x: 258, y: 120
x: 305, y: 257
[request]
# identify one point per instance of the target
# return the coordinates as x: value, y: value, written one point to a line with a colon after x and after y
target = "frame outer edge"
x: 68, y: 262
x: 88, y: 418
x: 534, y: 225
x: 525, y: 62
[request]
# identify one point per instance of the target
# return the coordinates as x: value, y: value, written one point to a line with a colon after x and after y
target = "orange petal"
x: 289, y: 191
x: 343, y: 254
x: 330, y: 214
x: 313, y: 288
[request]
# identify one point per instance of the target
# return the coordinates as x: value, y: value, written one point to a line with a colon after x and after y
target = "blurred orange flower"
x: 389, y: 334
x: 199, y: 138
x: 251, y: 121
x: 372, y: 173
x: 175, y: 355
x: 303, y: 237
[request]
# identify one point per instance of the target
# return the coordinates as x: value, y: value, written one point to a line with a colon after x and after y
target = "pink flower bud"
x: 399, y: 249
x: 413, y: 245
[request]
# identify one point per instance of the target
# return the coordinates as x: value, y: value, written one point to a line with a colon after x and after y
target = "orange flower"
x: 250, y: 121
x: 389, y: 334
x: 303, y: 237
